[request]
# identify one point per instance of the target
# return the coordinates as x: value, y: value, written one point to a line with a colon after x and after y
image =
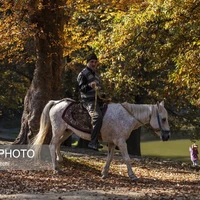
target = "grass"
x: 174, y: 149
x: 171, y: 150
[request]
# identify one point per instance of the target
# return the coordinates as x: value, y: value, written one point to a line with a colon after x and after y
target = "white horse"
x: 118, y: 123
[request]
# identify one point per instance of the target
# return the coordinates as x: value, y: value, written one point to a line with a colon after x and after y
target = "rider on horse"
x: 89, y: 82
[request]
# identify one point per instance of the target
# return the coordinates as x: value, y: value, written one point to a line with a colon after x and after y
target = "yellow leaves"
x: 186, y: 76
x: 145, y: 37
x: 196, y: 43
x: 12, y: 37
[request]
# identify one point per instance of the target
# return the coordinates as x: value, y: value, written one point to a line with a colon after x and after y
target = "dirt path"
x: 82, y: 180
x: 89, y: 194
x: 77, y: 195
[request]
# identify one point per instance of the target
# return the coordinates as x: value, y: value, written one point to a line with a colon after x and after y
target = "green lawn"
x: 173, y: 149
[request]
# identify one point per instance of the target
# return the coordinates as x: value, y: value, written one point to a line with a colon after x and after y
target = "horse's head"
x: 159, y: 121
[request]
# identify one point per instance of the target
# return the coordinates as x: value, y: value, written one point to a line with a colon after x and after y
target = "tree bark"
x: 47, y: 75
x: 83, y: 143
x: 133, y: 143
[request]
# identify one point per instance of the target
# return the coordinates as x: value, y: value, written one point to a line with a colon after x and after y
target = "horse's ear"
x: 162, y: 103
x: 158, y: 104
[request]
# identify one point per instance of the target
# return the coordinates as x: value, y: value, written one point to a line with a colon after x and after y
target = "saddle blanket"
x: 78, y: 117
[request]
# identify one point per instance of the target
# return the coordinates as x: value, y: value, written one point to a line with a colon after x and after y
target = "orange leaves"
x: 153, y: 43
x: 159, y: 179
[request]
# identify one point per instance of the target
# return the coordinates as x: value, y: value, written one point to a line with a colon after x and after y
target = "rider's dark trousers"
x: 97, y: 118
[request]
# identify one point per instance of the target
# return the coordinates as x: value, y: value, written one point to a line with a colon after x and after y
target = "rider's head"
x: 92, y: 57
x: 92, y: 61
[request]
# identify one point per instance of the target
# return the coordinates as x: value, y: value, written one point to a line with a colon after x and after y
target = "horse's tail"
x: 38, y: 140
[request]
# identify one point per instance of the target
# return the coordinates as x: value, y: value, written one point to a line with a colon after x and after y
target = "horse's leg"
x: 111, y: 149
x: 56, y: 135
x: 66, y: 134
x: 123, y: 149
x: 52, y: 148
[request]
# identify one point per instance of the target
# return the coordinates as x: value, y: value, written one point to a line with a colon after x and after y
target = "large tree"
x: 148, y: 50
x: 47, y: 18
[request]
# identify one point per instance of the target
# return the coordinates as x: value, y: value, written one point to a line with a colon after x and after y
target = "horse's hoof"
x: 59, y: 172
x: 135, y: 179
x: 104, y: 176
x: 59, y: 159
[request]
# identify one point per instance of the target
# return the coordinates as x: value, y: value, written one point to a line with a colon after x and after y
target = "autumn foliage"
x: 147, y: 49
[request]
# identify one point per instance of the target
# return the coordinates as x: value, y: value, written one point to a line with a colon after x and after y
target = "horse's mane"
x: 139, y: 110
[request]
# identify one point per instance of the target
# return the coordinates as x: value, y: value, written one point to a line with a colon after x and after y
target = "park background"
x: 148, y: 51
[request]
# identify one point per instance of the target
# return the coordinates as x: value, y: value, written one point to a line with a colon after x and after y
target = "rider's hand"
x: 93, y: 84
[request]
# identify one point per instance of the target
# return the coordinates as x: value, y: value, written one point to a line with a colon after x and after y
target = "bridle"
x: 159, y: 124
x: 158, y: 119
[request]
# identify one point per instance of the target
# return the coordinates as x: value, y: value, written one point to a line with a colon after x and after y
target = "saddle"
x: 78, y: 117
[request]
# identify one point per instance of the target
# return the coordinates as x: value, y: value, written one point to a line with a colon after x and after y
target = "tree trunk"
x: 83, y: 143
x: 133, y: 143
x: 46, y: 80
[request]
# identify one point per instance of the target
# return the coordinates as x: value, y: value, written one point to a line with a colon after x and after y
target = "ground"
x: 159, y: 179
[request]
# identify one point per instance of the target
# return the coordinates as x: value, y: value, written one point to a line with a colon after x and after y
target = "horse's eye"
x: 163, y: 119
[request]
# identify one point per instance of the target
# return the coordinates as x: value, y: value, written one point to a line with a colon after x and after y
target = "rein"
x: 97, y: 95
x: 133, y: 116
x: 159, y: 124
x: 158, y: 118
x: 157, y: 115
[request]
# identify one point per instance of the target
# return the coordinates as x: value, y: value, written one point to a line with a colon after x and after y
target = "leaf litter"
x: 158, y: 179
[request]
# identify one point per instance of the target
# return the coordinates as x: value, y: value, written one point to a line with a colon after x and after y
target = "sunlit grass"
x: 174, y: 149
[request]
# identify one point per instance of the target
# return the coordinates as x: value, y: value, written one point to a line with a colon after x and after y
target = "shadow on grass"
x: 177, y: 158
